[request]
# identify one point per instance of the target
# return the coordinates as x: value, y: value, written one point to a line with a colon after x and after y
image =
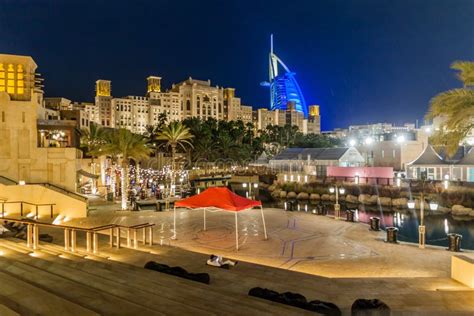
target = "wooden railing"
x: 37, y: 206
x: 92, y: 238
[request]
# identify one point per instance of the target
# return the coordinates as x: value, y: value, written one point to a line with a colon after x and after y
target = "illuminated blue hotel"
x: 284, y: 87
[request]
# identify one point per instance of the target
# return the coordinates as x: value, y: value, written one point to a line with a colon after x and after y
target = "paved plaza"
x: 297, y: 241
x: 315, y: 255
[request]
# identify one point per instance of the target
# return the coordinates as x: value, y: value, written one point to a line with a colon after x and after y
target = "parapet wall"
x: 66, y: 205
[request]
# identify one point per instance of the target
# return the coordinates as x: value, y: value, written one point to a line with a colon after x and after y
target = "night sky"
x: 362, y: 61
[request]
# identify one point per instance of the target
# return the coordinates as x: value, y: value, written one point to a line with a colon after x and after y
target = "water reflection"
x: 407, y: 221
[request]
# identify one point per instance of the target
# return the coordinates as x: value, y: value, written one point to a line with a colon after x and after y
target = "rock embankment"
x: 368, y: 199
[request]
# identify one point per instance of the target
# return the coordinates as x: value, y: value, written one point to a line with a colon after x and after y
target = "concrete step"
x: 178, y: 290
x: 5, y: 311
x: 26, y: 299
x: 76, y: 292
x: 154, y: 301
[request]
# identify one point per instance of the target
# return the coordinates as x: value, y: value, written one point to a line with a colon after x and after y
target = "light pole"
x: 368, y: 142
x: 337, y: 207
x: 249, y: 191
x: 421, y: 227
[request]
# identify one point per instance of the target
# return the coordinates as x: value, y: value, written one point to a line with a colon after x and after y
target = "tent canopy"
x: 218, y: 197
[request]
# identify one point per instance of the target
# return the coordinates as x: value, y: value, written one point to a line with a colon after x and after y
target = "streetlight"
x: 421, y: 227
x: 400, y: 139
x: 352, y: 142
x: 399, y: 180
x: 337, y: 207
x: 369, y: 140
x: 446, y: 181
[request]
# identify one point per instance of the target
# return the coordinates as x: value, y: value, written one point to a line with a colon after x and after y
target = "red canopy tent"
x: 220, y: 198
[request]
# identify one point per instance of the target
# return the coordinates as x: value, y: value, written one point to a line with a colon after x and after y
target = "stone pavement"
x: 318, y: 256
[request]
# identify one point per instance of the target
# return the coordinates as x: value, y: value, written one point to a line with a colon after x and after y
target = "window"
x: 3, y: 116
x: 2, y: 78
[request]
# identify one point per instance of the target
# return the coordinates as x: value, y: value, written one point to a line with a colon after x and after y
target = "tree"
x: 152, y: 131
x: 126, y: 146
x: 456, y: 109
x: 316, y: 141
x: 174, y: 135
x: 92, y: 140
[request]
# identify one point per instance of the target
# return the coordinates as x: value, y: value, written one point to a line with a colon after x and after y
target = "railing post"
x: 135, y: 240
x: 35, y: 236
x: 150, y: 236
x: 3, y: 209
x: 128, y: 238
x: 36, y: 206
x: 29, y: 235
x: 118, y: 238
x: 95, y: 242
x: 52, y: 213
x: 73, y: 240
x: 144, y: 235
x: 111, y: 237
x: 66, y: 239
x: 88, y: 241
x: 21, y: 208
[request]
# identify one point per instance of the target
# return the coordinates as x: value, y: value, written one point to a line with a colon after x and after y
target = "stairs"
x: 52, y: 282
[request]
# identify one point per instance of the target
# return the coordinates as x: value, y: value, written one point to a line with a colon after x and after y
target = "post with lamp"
x: 421, y: 227
x: 337, y: 207
x: 446, y: 181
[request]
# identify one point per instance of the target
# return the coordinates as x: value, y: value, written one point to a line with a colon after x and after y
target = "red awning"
x: 218, y: 197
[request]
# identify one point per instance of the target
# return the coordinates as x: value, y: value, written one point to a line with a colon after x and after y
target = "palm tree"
x: 456, y: 108
x: 174, y: 135
x: 92, y: 140
x: 126, y: 146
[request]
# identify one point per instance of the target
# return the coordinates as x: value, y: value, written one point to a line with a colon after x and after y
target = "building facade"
x: 31, y: 150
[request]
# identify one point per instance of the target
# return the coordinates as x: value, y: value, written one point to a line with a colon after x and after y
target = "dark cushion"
x: 324, y: 308
x: 370, y: 307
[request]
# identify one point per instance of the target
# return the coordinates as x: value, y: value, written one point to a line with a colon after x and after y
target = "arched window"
x: 188, y: 105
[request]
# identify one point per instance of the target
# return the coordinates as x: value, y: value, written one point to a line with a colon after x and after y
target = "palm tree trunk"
x: 124, y: 178
x: 173, y: 176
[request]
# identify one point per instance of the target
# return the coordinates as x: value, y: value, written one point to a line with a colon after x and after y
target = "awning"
x: 87, y: 174
x: 220, y: 198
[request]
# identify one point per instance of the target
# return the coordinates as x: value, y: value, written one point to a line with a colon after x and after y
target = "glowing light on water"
x: 446, y: 227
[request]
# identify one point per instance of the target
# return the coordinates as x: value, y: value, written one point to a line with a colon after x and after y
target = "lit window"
x: 20, y: 90
x: 11, y: 83
x: 11, y: 90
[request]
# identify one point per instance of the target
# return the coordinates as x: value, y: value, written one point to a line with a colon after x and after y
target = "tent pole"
x: 236, y: 232
x: 174, y: 223
x: 204, y: 218
x: 263, y: 220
